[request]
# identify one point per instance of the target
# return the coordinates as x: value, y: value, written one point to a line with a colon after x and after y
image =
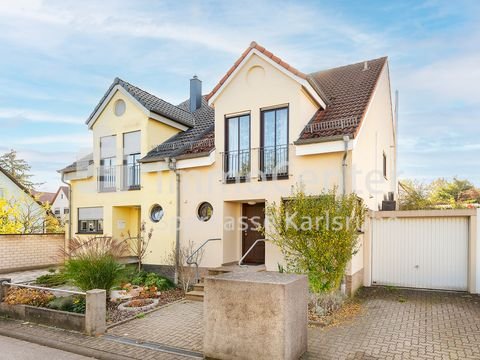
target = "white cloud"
x: 15, y: 114
x: 73, y: 139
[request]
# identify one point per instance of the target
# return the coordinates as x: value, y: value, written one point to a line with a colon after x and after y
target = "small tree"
x: 414, y: 195
x: 17, y: 168
x: 456, y: 193
x: 138, y: 245
x: 8, y: 218
x: 317, y: 234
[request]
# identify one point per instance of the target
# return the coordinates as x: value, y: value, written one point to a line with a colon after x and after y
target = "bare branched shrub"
x: 138, y: 245
x: 186, y: 273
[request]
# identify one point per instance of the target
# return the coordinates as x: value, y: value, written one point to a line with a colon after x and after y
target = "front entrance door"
x: 254, y: 217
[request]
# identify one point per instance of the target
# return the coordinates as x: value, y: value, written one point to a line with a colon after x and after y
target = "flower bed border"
x: 40, y: 315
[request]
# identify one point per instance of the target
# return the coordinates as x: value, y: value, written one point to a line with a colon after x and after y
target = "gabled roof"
x: 79, y: 165
x: 349, y: 90
x: 44, y: 197
x: 193, y: 141
x: 63, y: 189
x: 20, y: 185
x: 148, y: 101
x: 296, y: 74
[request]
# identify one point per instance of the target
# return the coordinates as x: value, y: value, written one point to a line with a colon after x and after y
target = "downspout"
x: 172, y: 165
x: 346, y: 139
x: 69, y: 212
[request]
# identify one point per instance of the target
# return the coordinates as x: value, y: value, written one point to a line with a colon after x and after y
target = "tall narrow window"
x: 131, y: 155
x: 107, y: 163
x: 237, y: 148
x: 384, y: 165
x: 274, y: 144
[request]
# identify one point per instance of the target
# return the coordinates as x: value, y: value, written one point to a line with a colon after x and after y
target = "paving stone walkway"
x: 24, y: 276
x: 179, y: 325
x: 394, y: 324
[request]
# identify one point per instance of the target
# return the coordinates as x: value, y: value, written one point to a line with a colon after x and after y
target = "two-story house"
x: 196, y: 170
x: 60, y: 205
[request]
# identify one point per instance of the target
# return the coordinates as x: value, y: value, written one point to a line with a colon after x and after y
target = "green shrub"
x: 94, y: 264
x: 327, y: 303
x: 75, y: 304
x: 61, y: 303
x: 317, y: 234
x: 52, y: 279
x: 143, y: 278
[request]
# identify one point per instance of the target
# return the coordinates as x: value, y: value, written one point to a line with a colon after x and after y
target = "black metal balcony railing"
x: 130, y: 177
x: 106, y: 178
x: 236, y: 165
x: 273, y: 162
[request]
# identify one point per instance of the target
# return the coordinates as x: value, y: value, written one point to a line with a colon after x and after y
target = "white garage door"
x: 430, y: 253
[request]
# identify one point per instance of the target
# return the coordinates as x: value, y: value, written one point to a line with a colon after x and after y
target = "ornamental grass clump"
x: 317, y: 234
x: 94, y: 264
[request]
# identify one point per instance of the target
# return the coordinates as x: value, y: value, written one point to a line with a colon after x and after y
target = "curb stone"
x: 75, y: 349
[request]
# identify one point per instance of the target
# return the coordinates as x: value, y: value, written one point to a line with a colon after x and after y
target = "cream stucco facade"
x: 256, y: 84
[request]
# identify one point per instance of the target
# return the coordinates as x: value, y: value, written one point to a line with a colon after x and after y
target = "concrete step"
x: 199, y: 287
x: 195, y: 295
x: 218, y: 271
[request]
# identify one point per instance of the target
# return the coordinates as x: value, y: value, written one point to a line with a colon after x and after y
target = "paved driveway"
x: 404, y: 324
x: 393, y: 324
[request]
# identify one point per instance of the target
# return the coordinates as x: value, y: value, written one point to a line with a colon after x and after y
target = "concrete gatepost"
x: 3, y: 288
x: 96, y: 312
x: 256, y: 315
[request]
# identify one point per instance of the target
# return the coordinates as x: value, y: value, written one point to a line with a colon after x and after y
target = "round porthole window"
x: 120, y: 107
x: 205, y: 211
x: 156, y: 213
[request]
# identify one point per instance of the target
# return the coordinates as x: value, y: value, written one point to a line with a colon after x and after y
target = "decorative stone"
x: 125, y: 306
x: 256, y: 315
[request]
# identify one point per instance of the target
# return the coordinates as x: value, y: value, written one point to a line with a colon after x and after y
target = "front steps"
x: 198, y: 292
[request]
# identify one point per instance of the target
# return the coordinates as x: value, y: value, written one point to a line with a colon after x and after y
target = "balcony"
x: 106, y: 178
x: 273, y: 162
x: 129, y: 176
x: 236, y: 166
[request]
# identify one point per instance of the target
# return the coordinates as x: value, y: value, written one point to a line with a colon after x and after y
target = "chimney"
x: 195, y: 93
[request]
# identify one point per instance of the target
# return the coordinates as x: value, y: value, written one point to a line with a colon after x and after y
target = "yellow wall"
x: 256, y: 85
x: 125, y: 205
x: 375, y: 138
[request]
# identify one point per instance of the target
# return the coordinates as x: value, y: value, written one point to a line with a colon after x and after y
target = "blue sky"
x: 59, y: 57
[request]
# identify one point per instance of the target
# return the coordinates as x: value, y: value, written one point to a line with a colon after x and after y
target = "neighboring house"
x: 61, y: 204
x: 31, y: 211
x: 264, y: 128
x: 45, y: 198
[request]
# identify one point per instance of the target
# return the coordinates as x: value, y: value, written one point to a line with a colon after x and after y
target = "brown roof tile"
x: 349, y: 90
x: 254, y: 45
